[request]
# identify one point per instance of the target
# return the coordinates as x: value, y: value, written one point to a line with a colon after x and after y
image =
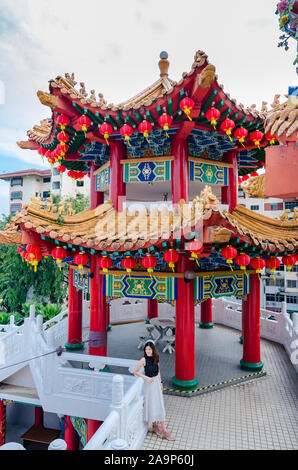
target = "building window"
x: 254, y: 208
x: 294, y: 269
x: 276, y: 282
x: 291, y: 205
x: 56, y: 185
x: 46, y: 194
x: 16, y: 182
x: 47, y: 180
x: 291, y: 284
x: 55, y: 172
x: 15, y: 208
x: 80, y: 184
x: 291, y: 299
x: 16, y: 195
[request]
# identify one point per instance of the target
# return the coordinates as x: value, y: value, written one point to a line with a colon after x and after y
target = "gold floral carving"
x: 47, y: 99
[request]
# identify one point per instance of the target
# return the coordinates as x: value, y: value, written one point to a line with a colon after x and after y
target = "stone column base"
x: 206, y: 325
x: 185, y: 384
x: 251, y: 366
x: 74, y: 346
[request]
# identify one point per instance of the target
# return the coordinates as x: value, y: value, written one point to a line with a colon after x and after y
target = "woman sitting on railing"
x: 154, y: 410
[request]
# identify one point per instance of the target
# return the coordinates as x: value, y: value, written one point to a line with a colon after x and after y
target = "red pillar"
x: 70, y: 436
x: 98, y: 325
x: 96, y: 197
x: 206, y: 314
x: 38, y: 416
x: 180, y: 173
x: 229, y: 193
x: 251, y: 328
x: 2, y: 423
x: 152, y: 308
x: 185, y: 330
x: 74, y: 315
x: 117, y: 185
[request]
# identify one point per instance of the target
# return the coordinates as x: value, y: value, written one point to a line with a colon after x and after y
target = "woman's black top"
x: 151, y: 369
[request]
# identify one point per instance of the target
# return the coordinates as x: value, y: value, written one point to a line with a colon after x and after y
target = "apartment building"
x: 285, y: 285
x: 27, y: 183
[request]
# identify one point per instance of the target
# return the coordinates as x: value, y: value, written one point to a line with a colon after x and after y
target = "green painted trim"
x: 109, y: 327
x: 185, y: 384
x: 147, y: 321
x: 251, y: 365
x: 76, y: 346
x: 241, y: 339
x: 206, y: 325
x: 105, y: 369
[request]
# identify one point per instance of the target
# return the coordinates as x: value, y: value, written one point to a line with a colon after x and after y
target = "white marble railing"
x: 281, y: 329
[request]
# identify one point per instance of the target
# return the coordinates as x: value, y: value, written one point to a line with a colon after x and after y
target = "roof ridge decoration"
x: 283, y: 118
x: 254, y: 187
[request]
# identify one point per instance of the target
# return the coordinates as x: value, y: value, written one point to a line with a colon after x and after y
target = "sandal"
x: 156, y: 429
x: 168, y: 436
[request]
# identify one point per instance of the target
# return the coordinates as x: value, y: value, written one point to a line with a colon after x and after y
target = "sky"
x: 114, y: 48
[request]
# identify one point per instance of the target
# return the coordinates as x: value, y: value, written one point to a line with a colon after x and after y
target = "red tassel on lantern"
x: 187, y: 104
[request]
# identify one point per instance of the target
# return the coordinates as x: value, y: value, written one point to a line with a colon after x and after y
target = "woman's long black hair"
x: 155, y: 354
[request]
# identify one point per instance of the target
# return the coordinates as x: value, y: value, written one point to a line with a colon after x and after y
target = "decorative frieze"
x: 215, y: 286
x: 145, y: 287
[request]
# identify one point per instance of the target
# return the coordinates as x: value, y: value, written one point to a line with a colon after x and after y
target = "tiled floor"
x: 260, y: 414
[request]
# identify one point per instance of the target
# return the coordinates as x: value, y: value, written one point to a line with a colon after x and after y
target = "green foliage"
x: 79, y: 202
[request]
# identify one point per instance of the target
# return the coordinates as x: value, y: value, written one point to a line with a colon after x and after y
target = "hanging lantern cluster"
x: 32, y: 255
x: 76, y: 175
x: 59, y: 254
x: 171, y: 257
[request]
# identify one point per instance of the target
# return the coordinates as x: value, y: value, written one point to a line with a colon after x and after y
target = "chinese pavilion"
x: 173, y: 141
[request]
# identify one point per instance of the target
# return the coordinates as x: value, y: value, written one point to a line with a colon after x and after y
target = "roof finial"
x: 164, y: 64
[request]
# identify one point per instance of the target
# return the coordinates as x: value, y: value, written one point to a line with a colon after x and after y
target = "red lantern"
x: 227, y: 126
x: 145, y: 127
x: 59, y: 254
x: 33, y: 249
x: 258, y: 264
x: 187, y: 104
x: 229, y: 253
x: 239, y: 180
x: 61, y: 150
x: 81, y: 260
x: 271, y: 138
x: 240, y: 134
x: 213, y: 115
x: 106, y: 129
x: 126, y: 131
x: 128, y: 263
x: 84, y: 122
x: 41, y: 151
x: 35, y: 260
x: 171, y: 257
x: 63, y: 121
x: 289, y: 261
x: 253, y: 174
x: 165, y: 121
x: 105, y: 263
x: 195, y: 247
x: 245, y: 178
x: 256, y: 137
x: 242, y: 260
x: 149, y: 262
x: 63, y: 138
x: 272, y: 263
x: 61, y: 169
